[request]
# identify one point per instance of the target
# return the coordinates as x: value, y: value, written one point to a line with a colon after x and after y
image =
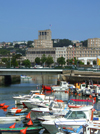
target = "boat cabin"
x: 80, y: 113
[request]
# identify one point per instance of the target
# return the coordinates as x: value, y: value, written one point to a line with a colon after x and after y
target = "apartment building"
x: 60, y: 52
x: 32, y: 53
x: 44, y: 39
x: 94, y: 42
x: 82, y: 52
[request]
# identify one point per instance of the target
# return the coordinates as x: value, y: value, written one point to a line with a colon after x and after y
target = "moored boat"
x: 74, y: 118
x: 64, y: 86
x: 18, y: 130
x: 11, y: 118
x: 24, y: 97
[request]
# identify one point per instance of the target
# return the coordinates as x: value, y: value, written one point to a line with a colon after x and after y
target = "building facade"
x: 94, y: 42
x: 32, y: 53
x: 60, y: 52
x: 44, y: 45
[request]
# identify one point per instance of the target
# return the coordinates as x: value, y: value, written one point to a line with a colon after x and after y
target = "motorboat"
x: 18, y: 130
x: 12, y: 118
x: 38, y: 100
x: 24, y: 97
x: 64, y: 86
x: 55, y: 108
x: 74, y: 118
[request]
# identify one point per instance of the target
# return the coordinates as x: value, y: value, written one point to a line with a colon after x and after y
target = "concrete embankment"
x: 74, y: 76
x: 7, y: 80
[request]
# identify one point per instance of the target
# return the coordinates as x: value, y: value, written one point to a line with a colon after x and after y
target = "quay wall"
x: 74, y: 76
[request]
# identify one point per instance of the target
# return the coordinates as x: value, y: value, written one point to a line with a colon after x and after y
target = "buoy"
x: 5, y: 109
x: 30, y: 123
x: 23, y: 131
x: 5, y: 106
x: 12, y: 126
x: 28, y: 115
x: 2, y: 104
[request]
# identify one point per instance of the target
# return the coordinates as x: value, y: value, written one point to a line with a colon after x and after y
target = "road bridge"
x: 29, y: 71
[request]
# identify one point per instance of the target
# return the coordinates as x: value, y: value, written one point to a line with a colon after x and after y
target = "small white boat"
x: 38, y: 100
x: 25, y: 78
x: 12, y: 118
x: 75, y: 118
x: 55, y: 108
x: 64, y: 86
x: 24, y: 97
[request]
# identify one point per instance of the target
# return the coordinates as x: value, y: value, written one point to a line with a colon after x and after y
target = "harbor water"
x: 7, y: 93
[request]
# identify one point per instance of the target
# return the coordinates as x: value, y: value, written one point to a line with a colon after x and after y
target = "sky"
x: 20, y: 20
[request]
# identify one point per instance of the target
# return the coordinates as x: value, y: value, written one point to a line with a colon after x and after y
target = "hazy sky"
x: 20, y: 20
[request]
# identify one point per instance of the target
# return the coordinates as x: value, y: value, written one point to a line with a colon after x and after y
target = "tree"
x: 49, y: 60
x: 17, y: 56
x: 16, y: 46
x: 94, y: 62
x: 26, y: 63
x: 4, y: 52
x: 43, y: 59
x: 84, y: 43
x: 61, y: 61
x: 4, y: 60
x: 37, y: 60
x: 14, y: 62
x: 88, y: 63
x: 29, y: 43
x: 62, y: 42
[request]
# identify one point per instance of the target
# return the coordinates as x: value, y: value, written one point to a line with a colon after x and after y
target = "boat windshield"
x: 75, y: 115
x: 37, y: 97
x: 67, y: 115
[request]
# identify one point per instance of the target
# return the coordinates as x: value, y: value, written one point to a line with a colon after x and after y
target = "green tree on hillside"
x: 14, y: 62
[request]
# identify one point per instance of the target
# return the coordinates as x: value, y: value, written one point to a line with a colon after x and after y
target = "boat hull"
x: 17, y: 130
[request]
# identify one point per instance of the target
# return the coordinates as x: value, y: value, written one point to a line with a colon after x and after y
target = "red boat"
x: 46, y: 88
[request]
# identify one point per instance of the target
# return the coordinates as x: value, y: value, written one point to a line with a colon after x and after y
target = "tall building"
x: 44, y: 39
x: 94, y: 42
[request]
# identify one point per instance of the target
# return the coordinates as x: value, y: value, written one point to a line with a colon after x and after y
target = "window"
x: 77, y: 115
